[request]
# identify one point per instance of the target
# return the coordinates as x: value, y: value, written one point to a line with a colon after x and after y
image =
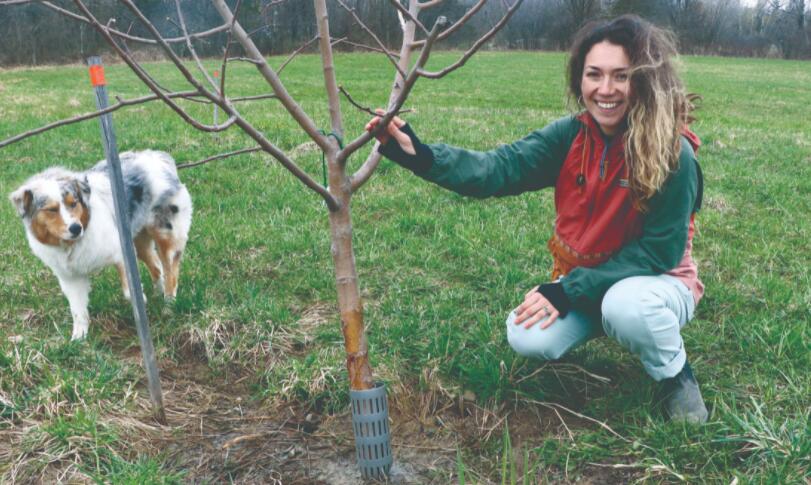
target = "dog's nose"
x: 75, y: 229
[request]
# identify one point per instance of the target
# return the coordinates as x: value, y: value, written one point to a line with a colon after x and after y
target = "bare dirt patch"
x: 217, y: 435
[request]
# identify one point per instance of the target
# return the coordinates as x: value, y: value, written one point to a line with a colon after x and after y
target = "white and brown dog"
x: 69, y: 219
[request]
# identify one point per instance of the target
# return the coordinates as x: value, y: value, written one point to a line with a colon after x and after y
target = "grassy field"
x: 251, y: 351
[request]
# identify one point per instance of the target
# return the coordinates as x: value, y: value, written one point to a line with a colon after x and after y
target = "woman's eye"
x: 622, y: 77
x: 593, y: 75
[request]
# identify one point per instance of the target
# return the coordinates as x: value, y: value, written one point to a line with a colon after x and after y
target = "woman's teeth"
x: 607, y: 105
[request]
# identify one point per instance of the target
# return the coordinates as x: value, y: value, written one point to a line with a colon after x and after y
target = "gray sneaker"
x: 681, y: 398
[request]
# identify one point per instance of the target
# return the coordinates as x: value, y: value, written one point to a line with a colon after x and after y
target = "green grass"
x: 256, y: 304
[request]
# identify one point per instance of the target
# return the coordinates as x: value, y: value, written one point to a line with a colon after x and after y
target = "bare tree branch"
x: 295, y: 53
x: 253, y: 98
x: 245, y: 59
x: 219, y: 157
x: 146, y: 78
x: 364, y: 173
x: 476, y: 46
x: 122, y: 35
x: 328, y: 68
x: 404, y: 11
x: 350, y: 148
x: 88, y: 116
x: 364, y: 46
x: 331, y: 202
x: 272, y: 78
x: 372, y: 35
x: 224, y: 64
x: 429, y: 4
x: 187, y: 95
x: 364, y: 108
x: 190, y: 45
x: 287, y: 101
x: 271, y: 4
x: 456, y: 25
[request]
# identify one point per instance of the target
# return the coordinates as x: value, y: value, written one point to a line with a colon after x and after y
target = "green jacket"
x: 646, y: 244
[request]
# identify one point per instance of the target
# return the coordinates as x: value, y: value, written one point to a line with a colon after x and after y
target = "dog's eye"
x: 73, y: 205
x: 52, y: 209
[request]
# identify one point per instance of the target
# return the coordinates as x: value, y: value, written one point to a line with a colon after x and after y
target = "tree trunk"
x: 346, y: 282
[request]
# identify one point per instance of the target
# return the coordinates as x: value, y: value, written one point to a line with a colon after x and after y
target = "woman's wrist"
x: 556, y: 296
x: 420, y: 162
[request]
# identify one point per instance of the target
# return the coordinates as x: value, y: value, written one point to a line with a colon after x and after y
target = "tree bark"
x: 340, y: 221
x: 346, y: 282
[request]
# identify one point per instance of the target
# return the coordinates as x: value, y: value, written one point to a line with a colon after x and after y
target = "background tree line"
x: 34, y: 34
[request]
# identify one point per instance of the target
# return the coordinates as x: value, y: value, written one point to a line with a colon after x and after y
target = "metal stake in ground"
x: 125, y: 237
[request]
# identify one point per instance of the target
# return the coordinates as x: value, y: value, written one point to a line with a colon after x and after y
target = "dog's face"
x: 54, y: 208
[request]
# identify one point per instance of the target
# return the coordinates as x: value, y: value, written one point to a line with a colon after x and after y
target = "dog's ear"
x: 83, y: 187
x: 23, y: 200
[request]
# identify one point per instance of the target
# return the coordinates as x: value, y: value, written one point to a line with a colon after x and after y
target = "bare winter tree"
x: 418, y: 40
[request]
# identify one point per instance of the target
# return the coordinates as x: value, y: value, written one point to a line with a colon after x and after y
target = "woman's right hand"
x: 392, y: 131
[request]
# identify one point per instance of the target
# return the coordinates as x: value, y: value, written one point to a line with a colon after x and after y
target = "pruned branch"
x: 476, y: 46
x: 219, y: 157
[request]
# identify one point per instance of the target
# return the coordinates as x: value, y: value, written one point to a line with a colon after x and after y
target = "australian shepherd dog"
x: 69, y: 218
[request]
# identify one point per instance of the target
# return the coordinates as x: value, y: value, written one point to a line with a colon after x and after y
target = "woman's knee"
x: 625, y: 309
x: 533, y: 341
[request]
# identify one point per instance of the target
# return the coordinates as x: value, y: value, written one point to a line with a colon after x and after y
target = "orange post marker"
x: 97, y: 76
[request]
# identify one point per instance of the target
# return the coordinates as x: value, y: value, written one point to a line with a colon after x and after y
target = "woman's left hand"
x: 535, y: 308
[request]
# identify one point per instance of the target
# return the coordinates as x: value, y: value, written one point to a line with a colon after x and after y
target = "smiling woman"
x: 605, y: 86
x: 627, y: 186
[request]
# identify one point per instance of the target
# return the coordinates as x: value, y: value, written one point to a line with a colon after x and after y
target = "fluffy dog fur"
x: 69, y: 218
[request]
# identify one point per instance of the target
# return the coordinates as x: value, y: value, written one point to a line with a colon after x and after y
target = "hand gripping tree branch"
x: 341, y: 184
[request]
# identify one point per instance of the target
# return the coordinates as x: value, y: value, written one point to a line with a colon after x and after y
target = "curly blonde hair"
x: 659, y: 106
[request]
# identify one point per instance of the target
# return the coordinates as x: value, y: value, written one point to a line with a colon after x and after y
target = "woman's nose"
x: 606, y: 86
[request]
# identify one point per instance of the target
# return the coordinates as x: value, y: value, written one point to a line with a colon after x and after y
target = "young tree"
x: 341, y: 184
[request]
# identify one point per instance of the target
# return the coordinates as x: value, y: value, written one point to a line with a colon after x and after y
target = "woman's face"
x: 606, y: 85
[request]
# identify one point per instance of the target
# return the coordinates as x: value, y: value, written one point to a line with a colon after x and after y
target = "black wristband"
x: 557, y: 297
x: 419, y: 163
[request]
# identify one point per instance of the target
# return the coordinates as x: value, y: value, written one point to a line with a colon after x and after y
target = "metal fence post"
x: 125, y: 237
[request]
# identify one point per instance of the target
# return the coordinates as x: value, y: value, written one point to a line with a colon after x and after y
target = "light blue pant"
x: 643, y: 313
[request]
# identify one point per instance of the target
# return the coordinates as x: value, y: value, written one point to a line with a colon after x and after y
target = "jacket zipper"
x: 602, y: 159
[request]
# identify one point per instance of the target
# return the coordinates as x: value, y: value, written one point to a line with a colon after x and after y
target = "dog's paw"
x: 79, y: 333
